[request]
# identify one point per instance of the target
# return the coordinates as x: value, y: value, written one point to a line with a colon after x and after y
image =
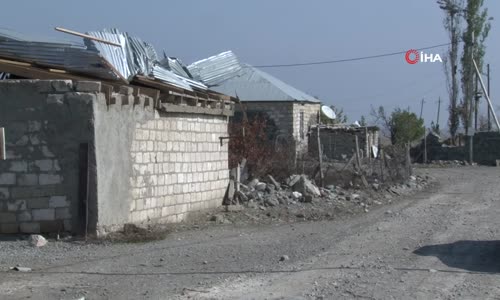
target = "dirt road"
x: 439, y: 244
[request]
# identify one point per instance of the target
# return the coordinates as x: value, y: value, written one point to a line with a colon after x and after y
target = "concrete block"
x: 88, y: 86
x: 44, y: 214
x: 9, y: 228
x: 34, y: 126
x: 46, y: 152
x: 126, y: 90
x: 63, y: 213
x: 45, y: 179
x: 55, y: 99
x: 37, y: 203
x: 7, y: 179
x: 44, y: 165
x: 24, y: 216
x: 7, y: 217
x: 48, y: 86
x: 58, y: 201
x: 67, y: 225
x: 16, y: 205
x: 23, y: 141
x: 51, y: 226
x: 29, y: 227
x: 18, y: 166
x: 27, y: 179
x: 4, y: 193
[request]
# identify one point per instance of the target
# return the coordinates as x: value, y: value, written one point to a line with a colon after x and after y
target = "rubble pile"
x: 299, y: 189
x: 447, y: 163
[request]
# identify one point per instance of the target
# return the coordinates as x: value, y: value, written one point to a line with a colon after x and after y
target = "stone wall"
x: 45, y: 124
x: 179, y: 166
x: 340, y: 143
x: 286, y: 115
x: 300, y: 131
x: 81, y: 157
x: 486, y: 149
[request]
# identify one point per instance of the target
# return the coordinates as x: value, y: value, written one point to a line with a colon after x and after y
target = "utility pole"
x: 422, y: 107
x: 477, y: 96
x: 469, y: 125
x: 489, y: 113
x: 439, y: 108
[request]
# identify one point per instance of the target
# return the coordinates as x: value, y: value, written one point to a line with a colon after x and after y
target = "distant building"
x: 291, y: 110
x: 338, y: 142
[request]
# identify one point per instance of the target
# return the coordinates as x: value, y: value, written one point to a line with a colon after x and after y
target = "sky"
x: 264, y: 32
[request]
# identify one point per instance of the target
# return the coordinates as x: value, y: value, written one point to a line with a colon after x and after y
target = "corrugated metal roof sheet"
x: 92, y: 58
x: 225, y: 74
x: 176, y: 66
x: 137, y: 57
x: 69, y: 56
x: 215, y: 69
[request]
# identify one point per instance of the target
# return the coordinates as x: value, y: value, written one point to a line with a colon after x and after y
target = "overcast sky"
x: 263, y: 32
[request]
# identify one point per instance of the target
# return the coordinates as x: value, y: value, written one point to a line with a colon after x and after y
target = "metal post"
x: 476, y: 104
x: 489, y: 113
x: 3, y: 154
x: 422, y: 107
x: 439, y: 108
x: 320, y: 156
x: 487, y: 96
x: 425, y: 146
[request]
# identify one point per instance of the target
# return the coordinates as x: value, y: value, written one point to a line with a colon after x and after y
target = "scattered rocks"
x: 284, y: 258
x: 20, y: 269
x: 296, y: 195
x: 219, y: 219
x: 274, y: 182
x: 37, y: 240
x: 272, y: 202
x: 306, y: 187
x: 261, y: 186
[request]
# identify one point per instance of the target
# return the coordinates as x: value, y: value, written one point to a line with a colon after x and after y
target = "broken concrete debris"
x: 20, y: 269
x: 37, y: 240
x: 298, y: 188
x: 284, y: 258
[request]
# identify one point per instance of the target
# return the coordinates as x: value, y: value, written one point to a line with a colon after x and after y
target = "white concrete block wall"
x: 179, y: 166
x: 310, y: 111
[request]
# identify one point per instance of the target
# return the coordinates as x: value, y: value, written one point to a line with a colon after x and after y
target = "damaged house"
x: 291, y: 110
x: 104, y: 133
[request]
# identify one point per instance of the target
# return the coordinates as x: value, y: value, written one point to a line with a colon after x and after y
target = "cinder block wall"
x: 45, y: 124
x: 280, y: 112
x: 155, y: 166
x: 337, y: 144
x: 310, y: 112
x: 179, y: 166
x: 141, y: 165
x: 287, y: 117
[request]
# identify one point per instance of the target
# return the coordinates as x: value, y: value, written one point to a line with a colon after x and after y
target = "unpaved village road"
x: 439, y: 244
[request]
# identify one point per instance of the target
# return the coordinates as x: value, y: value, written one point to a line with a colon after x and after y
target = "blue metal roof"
x: 225, y: 74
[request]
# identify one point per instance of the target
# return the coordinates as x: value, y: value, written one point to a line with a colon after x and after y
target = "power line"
x: 347, y: 59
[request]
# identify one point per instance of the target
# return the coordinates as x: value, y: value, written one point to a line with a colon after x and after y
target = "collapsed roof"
x: 132, y: 59
x: 225, y: 74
